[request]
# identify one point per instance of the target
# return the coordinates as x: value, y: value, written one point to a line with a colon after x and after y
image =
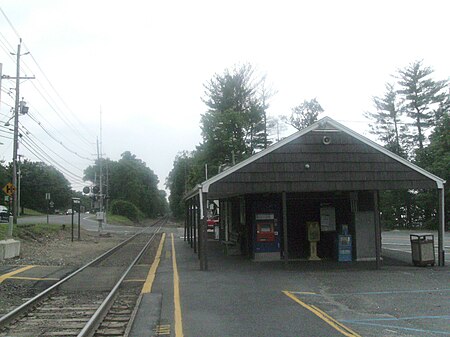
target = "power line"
x: 29, y: 134
x: 59, y: 142
x: 44, y: 157
x: 10, y: 24
x: 62, y: 135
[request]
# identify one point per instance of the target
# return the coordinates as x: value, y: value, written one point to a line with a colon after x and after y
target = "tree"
x: 304, y: 114
x: 435, y: 158
x: 275, y: 127
x: 233, y: 128
x: 178, y: 184
x: 386, y: 121
x: 423, y: 98
x: 38, y: 179
x: 130, y: 179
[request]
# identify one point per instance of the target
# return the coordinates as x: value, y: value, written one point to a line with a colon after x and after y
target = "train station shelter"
x: 312, y: 196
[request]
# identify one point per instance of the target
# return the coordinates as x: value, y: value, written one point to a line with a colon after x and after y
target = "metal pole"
x: 100, y: 221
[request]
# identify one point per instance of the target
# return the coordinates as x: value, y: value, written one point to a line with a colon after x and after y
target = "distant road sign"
x: 9, y: 189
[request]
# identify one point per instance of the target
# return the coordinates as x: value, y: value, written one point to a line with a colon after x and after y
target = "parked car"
x: 4, y: 213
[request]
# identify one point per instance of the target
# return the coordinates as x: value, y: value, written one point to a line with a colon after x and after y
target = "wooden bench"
x: 231, y: 245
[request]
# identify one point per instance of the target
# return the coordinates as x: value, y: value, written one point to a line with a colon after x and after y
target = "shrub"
x: 126, y: 209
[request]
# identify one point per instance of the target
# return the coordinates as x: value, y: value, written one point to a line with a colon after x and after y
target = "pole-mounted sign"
x: 9, y: 189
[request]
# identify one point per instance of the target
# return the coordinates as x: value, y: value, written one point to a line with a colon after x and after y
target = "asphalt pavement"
x: 239, y: 297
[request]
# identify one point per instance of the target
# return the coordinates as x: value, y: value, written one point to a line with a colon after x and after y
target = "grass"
x: 24, y: 231
x: 30, y: 212
x: 119, y: 220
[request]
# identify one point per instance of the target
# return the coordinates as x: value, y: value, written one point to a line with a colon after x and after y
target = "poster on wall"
x: 327, y: 219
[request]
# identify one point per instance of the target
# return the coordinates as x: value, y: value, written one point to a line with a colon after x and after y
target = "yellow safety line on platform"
x: 176, y: 294
x: 147, y: 287
x: 325, y: 317
x: 17, y: 271
x: 34, y: 278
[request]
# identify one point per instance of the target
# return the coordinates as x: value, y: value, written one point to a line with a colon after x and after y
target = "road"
x: 399, y: 241
x: 87, y: 222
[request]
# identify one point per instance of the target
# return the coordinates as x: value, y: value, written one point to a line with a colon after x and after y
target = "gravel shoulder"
x: 59, y: 250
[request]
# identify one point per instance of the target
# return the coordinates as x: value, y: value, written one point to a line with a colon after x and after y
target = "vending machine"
x: 344, y: 244
x: 266, y: 236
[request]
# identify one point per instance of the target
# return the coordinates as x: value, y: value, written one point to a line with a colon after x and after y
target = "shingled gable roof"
x: 326, y: 124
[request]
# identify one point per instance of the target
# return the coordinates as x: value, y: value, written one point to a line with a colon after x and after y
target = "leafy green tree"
x: 38, y: 179
x: 304, y: 114
x: 130, y: 179
x: 178, y: 183
x: 423, y: 98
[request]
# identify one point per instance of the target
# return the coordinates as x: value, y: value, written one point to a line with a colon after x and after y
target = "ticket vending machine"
x: 266, y: 237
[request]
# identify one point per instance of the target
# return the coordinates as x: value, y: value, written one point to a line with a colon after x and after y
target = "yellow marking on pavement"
x: 34, y: 278
x: 176, y: 294
x: 168, y: 254
x: 135, y: 280
x: 306, y: 293
x: 325, y: 317
x: 17, y: 271
x: 163, y: 330
x: 147, y: 287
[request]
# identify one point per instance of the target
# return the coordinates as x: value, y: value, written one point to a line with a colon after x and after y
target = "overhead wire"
x: 44, y: 93
x: 58, y: 141
x: 62, y: 135
x: 29, y: 134
x: 57, y: 94
x: 46, y: 158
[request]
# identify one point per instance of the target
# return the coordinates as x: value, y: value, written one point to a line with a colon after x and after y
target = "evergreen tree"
x: 423, y: 98
x: 233, y: 127
x: 386, y: 122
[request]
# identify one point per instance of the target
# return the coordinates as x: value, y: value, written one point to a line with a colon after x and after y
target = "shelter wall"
x: 308, y: 165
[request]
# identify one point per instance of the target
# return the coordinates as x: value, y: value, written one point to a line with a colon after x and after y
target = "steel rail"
x: 25, y: 306
x: 97, y: 318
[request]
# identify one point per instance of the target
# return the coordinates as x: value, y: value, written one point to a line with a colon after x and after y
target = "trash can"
x: 422, y: 249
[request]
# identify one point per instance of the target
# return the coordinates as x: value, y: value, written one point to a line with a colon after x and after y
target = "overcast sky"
x: 144, y: 63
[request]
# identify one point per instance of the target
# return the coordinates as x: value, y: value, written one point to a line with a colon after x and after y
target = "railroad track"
x: 65, y: 309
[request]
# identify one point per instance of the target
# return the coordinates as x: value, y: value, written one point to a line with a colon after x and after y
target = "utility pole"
x: 100, y: 215
x: 16, y: 126
x: 19, y: 176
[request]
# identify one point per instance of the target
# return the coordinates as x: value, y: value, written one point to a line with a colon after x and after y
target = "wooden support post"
x: 198, y: 225
x: 285, y: 234
x: 194, y: 227
x: 441, y: 228
x: 203, y: 233
x: 191, y: 241
x: 377, y: 229
x: 186, y: 217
